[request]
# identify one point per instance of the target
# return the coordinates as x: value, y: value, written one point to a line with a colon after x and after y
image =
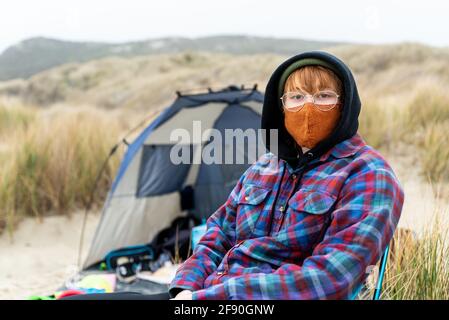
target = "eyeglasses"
x: 323, y: 100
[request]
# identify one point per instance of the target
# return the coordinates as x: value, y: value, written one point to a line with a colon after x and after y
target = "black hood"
x: 273, y: 118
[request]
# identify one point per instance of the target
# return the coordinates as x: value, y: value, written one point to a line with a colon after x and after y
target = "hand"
x: 183, y: 295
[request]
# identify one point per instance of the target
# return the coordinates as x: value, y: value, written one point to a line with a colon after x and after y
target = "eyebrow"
x: 323, y: 89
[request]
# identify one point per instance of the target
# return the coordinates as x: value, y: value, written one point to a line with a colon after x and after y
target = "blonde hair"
x: 313, y: 78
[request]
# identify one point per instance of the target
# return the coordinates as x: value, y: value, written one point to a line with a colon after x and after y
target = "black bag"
x: 176, y: 238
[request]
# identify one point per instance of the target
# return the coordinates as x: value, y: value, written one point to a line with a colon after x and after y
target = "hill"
x: 142, y: 82
x: 38, y: 54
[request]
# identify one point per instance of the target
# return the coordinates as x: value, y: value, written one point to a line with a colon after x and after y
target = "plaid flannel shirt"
x: 286, y: 233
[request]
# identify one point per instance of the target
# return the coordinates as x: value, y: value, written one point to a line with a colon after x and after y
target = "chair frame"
x: 380, y: 279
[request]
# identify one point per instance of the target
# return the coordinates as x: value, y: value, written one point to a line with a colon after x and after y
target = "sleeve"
x: 363, y: 223
x: 210, y: 250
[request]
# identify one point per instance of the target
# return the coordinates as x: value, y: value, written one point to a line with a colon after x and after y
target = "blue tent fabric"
x: 135, y: 146
x: 157, y: 174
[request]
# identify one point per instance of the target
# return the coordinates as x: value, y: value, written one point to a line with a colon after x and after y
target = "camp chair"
x: 380, y: 279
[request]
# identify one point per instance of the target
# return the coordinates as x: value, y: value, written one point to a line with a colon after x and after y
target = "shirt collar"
x: 345, y: 148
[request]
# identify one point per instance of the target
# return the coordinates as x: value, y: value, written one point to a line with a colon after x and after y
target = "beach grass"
x: 418, y: 268
x: 50, y: 165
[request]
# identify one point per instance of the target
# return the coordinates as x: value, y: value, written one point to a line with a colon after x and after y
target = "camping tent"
x: 150, y: 190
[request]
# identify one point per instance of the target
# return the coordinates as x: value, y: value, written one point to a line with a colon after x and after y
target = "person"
x: 311, y: 215
x: 308, y: 220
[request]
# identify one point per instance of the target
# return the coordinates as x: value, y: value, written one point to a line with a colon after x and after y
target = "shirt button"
x: 293, y: 176
x: 219, y: 273
x: 281, y: 208
x: 246, y: 198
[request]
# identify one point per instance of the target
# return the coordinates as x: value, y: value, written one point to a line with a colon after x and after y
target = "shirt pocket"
x: 251, y: 206
x: 308, y: 217
x: 315, y: 202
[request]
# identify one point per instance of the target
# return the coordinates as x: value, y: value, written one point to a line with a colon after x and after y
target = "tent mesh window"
x: 158, y: 174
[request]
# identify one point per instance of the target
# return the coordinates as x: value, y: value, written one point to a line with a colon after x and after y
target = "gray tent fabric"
x: 145, y: 195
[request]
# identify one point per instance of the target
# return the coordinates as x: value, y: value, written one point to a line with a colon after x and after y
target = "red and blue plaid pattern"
x: 286, y: 235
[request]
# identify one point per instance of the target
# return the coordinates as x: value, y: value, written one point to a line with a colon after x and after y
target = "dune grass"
x: 434, y: 152
x: 14, y: 116
x: 420, y: 268
x: 422, y: 121
x: 426, y: 125
x: 429, y: 106
x: 377, y: 125
x: 51, y: 164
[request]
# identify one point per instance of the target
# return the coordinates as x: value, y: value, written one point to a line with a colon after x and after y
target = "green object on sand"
x: 52, y: 297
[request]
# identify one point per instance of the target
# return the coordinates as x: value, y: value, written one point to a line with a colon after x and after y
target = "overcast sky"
x: 380, y: 21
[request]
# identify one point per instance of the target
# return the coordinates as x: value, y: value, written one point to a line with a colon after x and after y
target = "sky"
x: 380, y: 21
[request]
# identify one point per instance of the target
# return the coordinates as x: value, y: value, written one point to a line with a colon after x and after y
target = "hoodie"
x: 273, y: 118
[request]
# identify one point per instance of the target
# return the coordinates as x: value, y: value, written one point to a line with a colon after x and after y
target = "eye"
x: 324, y: 95
x: 298, y: 96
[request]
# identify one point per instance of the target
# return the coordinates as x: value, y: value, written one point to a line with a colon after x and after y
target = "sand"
x: 420, y: 202
x: 41, y: 255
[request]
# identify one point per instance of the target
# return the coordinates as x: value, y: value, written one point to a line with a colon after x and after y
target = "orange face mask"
x: 310, y: 125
